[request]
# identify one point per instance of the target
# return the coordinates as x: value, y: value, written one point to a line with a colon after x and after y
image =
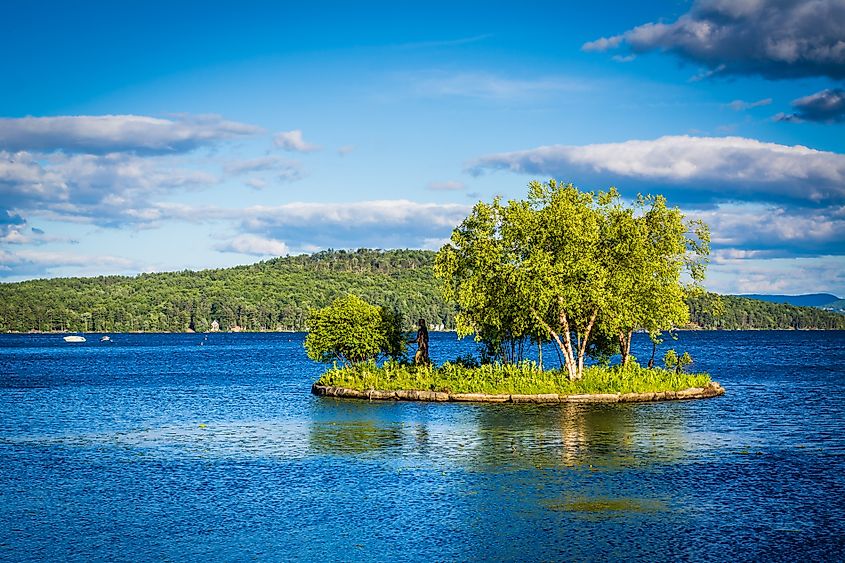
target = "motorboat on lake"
x: 74, y: 338
x: 105, y: 338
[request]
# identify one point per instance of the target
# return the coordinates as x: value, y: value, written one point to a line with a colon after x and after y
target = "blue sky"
x: 143, y: 136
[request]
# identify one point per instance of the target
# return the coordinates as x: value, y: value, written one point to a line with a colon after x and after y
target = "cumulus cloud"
x: 19, y: 234
x: 254, y: 245
x: 101, y: 134
x: 105, y: 189
x: 293, y: 141
x: 827, y: 106
x: 379, y: 224
x: 106, y: 169
x: 771, y: 38
x: 29, y: 263
x: 761, y: 230
x: 778, y: 275
x: 448, y: 186
x: 709, y: 168
x: 309, y: 226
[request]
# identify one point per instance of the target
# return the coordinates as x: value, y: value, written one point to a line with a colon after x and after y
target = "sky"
x: 158, y: 136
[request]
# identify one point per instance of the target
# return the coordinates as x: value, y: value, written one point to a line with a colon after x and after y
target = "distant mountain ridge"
x: 805, y: 300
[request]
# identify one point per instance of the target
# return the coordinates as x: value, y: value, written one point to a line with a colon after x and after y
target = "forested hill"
x: 277, y: 295
x: 740, y: 313
x: 272, y: 295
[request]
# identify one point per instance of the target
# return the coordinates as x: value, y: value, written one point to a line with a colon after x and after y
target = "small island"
x: 579, y: 270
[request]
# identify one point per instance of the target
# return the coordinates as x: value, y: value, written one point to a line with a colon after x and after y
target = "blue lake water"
x: 154, y: 448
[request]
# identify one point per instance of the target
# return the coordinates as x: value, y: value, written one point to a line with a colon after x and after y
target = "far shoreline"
x: 65, y: 332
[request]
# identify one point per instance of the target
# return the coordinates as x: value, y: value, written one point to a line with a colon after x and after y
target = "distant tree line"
x: 273, y: 295
x: 729, y: 312
x: 278, y: 294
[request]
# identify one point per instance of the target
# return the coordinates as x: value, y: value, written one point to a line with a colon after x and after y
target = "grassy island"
x: 580, y: 271
x: 498, y: 379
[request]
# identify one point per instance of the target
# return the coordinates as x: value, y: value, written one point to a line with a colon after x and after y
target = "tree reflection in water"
x: 501, y: 437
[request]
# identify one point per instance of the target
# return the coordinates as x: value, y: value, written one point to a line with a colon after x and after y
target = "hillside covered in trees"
x: 277, y: 295
x: 741, y: 313
x: 271, y: 295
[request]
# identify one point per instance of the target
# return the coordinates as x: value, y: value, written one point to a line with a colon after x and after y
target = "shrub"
x: 350, y: 330
x: 672, y: 361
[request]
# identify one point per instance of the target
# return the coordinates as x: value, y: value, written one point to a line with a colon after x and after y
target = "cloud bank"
x: 107, y: 190
x: 711, y: 168
x: 310, y: 226
x: 775, y: 39
x: 101, y: 134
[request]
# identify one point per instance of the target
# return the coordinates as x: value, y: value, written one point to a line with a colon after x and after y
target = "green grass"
x: 524, y: 378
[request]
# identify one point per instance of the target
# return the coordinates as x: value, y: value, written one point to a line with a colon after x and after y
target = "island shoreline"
x: 713, y: 389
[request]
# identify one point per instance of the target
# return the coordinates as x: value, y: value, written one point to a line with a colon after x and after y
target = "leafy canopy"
x: 583, y: 268
x: 350, y: 330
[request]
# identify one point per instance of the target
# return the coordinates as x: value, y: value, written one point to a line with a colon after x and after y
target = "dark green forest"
x: 277, y: 294
x: 741, y: 313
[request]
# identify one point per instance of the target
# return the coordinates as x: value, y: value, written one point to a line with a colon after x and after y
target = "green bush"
x: 350, y: 330
x: 672, y: 361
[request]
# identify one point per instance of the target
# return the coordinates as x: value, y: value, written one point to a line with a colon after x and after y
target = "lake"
x: 157, y: 448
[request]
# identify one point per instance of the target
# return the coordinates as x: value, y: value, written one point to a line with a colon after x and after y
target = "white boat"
x: 74, y: 338
x: 105, y: 338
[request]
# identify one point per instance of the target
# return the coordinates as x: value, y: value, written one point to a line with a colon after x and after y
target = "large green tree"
x: 577, y: 266
x: 650, y: 247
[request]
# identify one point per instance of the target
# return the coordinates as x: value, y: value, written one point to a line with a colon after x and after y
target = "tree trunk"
x: 540, y: 353
x: 582, y: 348
x: 625, y: 345
x: 653, y: 352
x: 563, y: 346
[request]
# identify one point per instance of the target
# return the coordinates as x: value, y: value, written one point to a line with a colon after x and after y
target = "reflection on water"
x: 160, y: 449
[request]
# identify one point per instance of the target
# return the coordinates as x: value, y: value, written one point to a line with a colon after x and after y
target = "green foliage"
x: 672, y: 361
x: 350, y: 330
x: 522, y: 378
x: 274, y: 295
x: 581, y: 268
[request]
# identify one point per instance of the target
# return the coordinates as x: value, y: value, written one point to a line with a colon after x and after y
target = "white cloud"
x: 306, y: 226
x: 778, y: 275
x: 28, y: 263
x: 100, y: 134
x: 776, y: 230
x: 723, y: 168
x: 105, y: 189
x: 254, y: 245
x: 293, y: 141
